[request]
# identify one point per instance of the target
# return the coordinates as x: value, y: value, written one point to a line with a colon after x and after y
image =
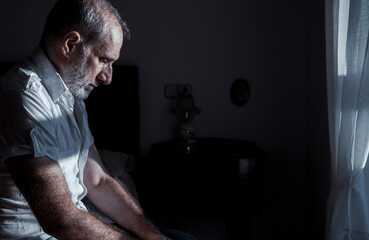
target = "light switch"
x: 171, y: 90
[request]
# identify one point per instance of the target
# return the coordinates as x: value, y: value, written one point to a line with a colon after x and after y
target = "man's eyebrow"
x: 109, y: 58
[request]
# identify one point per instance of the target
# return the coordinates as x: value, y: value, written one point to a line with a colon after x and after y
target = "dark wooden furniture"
x: 211, y: 177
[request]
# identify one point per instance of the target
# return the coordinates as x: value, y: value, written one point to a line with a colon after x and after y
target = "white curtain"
x: 347, y: 25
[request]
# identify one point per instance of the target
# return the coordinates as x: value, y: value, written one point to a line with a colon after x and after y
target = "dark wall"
x: 21, y: 23
x: 209, y: 44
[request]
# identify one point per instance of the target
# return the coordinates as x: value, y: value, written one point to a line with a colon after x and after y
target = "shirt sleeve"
x: 26, y: 125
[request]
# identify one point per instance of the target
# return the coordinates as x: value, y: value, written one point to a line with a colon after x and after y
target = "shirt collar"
x: 49, y: 76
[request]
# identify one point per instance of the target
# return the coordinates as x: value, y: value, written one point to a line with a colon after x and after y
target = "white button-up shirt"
x: 39, y: 116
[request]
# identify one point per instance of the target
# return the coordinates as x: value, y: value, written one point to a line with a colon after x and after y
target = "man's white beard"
x: 77, y: 77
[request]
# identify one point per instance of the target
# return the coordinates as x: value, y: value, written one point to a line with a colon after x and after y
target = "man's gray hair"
x: 88, y: 17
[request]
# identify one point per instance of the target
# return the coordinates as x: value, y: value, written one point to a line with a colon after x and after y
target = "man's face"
x: 94, y: 64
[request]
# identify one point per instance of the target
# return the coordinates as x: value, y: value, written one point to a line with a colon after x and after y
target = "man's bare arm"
x: 114, y: 201
x: 42, y: 183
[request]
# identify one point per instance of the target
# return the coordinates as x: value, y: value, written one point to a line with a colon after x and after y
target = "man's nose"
x: 105, y: 76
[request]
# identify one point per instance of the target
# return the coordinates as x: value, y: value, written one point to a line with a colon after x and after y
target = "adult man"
x: 48, y: 161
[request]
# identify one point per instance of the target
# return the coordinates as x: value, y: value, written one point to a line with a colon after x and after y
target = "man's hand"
x: 159, y: 237
x: 164, y: 238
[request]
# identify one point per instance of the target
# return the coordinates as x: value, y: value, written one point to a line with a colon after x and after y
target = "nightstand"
x: 208, y: 177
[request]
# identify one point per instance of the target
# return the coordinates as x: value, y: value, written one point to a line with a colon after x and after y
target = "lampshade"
x: 186, y: 103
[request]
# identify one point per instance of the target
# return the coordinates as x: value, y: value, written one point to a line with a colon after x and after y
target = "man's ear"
x: 71, y: 42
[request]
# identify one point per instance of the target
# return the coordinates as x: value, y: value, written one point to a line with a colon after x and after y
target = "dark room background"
x: 278, y: 46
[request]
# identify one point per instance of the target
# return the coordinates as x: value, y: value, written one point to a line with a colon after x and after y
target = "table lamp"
x: 186, y: 109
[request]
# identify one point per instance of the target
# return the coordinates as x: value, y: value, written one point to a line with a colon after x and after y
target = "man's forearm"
x: 42, y: 183
x: 114, y: 201
x: 82, y: 225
